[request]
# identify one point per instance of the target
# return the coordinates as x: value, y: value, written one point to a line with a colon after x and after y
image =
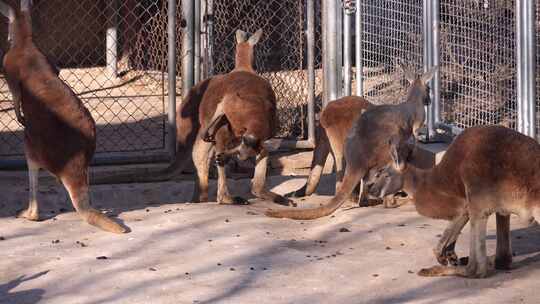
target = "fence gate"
x: 113, y: 54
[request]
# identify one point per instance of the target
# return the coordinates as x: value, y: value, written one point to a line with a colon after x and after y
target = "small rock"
x: 81, y: 244
x: 147, y: 210
x: 251, y: 213
x: 55, y: 241
x: 264, y: 268
x: 219, y: 264
x: 2, y: 238
x: 402, y: 244
x: 388, y: 248
x: 370, y: 231
x: 410, y: 271
x: 232, y: 269
x: 102, y: 257
x: 375, y: 275
x: 152, y: 269
x: 344, y: 230
x: 238, y: 235
x: 401, y: 225
x: 209, y: 240
x: 226, y: 220
x: 187, y: 273
x: 251, y: 268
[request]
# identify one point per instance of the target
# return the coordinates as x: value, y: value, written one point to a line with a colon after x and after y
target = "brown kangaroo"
x: 365, y: 146
x: 59, y: 133
x: 232, y: 115
x: 336, y: 120
x: 485, y: 170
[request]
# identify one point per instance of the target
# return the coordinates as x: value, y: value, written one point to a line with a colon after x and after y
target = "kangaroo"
x: 365, y: 146
x: 485, y: 170
x: 336, y: 120
x: 232, y: 115
x: 59, y: 132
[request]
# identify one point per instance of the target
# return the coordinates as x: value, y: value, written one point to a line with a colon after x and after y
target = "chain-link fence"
x: 280, y: 55
x: 113, y: 55
x: 391, y: 31
x: 477, y: 54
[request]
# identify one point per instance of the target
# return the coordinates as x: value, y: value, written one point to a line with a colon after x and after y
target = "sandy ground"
x: 206, y: 253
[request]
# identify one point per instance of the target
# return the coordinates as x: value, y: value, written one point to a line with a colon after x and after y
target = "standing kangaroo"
x: 59, y: 132
x: 336, y: 120
x: 365, y: 146
x: 485, y: 170
x: 232, y: 115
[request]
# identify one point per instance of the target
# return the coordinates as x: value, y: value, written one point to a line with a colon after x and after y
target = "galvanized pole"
x: 526, y: 66
x: 436, y: 81
x: 339, y: 48
x: 197, y: 41
x: 331, y: 54
x: 187, y: 46
x: 171, y: 77
x: 210, y: 37
x: 428, y: 58
x: 111, y: 49
x: 358, y: 49
x: 347, y: 50
x: 310, y: 36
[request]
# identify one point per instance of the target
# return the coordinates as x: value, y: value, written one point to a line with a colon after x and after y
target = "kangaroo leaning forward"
x: 59, y: 132
x: 366, y: 145
x: 232, y: 115
x: 485, y: 170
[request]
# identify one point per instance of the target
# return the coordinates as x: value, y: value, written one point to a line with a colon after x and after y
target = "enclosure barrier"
x: 128, y: 60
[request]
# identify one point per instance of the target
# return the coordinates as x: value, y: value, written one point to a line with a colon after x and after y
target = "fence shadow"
x: 29, y: 296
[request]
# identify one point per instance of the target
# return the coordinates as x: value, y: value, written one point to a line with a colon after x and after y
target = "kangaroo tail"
x: 350, y: 180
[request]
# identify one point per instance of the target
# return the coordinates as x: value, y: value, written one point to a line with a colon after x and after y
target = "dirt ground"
x: 207, y: 253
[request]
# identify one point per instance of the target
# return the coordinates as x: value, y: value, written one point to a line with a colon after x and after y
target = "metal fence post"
x: 347, y: 49
x: 330, y: 12
x: 310, y: 37
x: 526, y: 66
x: 209, y: 37
x: 111, y: 48
x: 436, y: 80
x: 358, y: 49
x: 187, y: 46
x: 428, y: 56
x: 197, y: 41
x: 171, y: 77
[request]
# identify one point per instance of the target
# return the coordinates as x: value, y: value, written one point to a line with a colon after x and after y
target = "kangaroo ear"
x: 255, y: 37
x: 26, y: 5
x: 7, y: 11
x: 426, y: 77
x: 240, y: 36
x: 409, y: 75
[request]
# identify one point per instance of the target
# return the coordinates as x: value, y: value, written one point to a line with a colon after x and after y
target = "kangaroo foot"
x: 31, y: 214
x: 236, y: 200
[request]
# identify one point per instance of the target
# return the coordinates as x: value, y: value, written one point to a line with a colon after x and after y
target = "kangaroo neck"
x: 415, y: 180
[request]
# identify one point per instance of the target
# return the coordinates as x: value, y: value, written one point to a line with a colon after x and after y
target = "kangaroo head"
x: 389, y: 179
x: 20, y: 23
x: 244, y: 57
x: 418, y: 91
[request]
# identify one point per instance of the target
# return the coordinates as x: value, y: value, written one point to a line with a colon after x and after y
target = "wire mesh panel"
x: 113, y: 55
x: 477, y: 54
x: 280, y: 55
x: 391, y: 32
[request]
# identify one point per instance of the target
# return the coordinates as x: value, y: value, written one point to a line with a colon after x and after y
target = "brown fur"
x: 485, y: 170
x: 59, y: 133
x: 232, y: 115
x: 366, y: 145
x: 336, y: 119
